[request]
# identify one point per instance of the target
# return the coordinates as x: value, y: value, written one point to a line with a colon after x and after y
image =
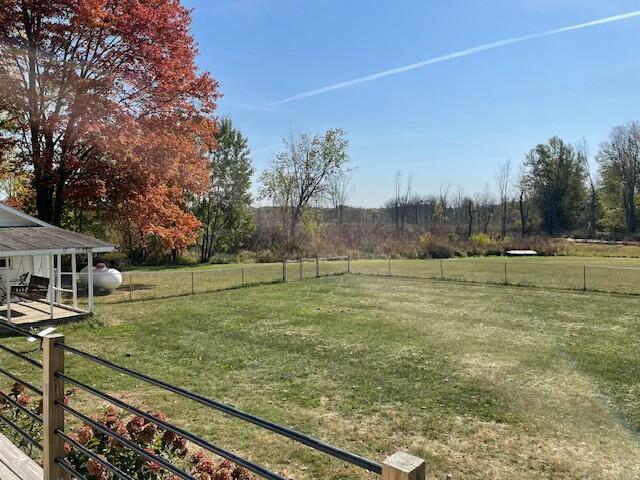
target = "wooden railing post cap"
x: 403, y: 466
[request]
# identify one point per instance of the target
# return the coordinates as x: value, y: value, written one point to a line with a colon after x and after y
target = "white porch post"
x: 74, y: 280
x: 8, y: 287
x: 51, y: 280
x: 59, y: 278
x: 90, y: 279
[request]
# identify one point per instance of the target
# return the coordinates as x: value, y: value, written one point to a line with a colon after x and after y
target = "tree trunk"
x: 593, y: 210
x: 523, y: 214
x: 295, y: 219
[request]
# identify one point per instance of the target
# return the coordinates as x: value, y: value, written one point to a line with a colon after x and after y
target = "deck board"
x: 37, y: 314
x: 15, y: 464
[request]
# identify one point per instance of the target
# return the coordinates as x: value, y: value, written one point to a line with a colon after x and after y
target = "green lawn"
x: 484, y: 381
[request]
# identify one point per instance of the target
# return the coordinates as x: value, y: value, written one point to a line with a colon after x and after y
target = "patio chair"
x: 37, y: 289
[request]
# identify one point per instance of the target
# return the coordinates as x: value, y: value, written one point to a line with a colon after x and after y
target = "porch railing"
x: 399, y: 466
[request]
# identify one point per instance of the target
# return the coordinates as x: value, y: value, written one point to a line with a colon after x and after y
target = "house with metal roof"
x: 34, y: 286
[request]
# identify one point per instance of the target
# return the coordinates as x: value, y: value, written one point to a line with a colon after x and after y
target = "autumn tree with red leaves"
x: 103, y: 107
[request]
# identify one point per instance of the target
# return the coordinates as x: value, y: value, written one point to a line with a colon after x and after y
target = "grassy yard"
x: 484, y: 381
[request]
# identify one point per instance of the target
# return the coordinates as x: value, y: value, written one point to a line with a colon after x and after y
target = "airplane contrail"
x: 454, y: 55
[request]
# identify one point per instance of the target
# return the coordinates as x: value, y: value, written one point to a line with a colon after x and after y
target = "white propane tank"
x: 104, y: 278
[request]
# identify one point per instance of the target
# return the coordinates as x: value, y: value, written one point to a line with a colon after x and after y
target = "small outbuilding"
x: 34, y: 288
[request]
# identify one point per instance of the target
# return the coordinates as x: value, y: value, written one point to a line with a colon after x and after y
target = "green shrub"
x: 481, y: 239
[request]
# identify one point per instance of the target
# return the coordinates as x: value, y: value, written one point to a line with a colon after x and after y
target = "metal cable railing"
x: 22, y: 356
x: 24, y: 410
x: 177, y: 430
x: 152, y: 457
x: 66, y: 466
x: 54, y: 349
x: 279, y: 429
x: 77, y: 445
x: 8, y: 326
x: 24, y: 383
x: 14, y: 403
x: 21, y: 432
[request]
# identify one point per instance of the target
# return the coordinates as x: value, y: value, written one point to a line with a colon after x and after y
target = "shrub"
x: 481, y: 239
x: 20, y: 418
x: 153, y: 439
x: 267, y: 256
x: 147, y: 435
x: 246, y: 256
x: 429, y: 246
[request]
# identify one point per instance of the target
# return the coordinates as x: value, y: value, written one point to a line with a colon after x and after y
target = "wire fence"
x: 50, y: 435
x: 147, y: 285
x: 533, y: 272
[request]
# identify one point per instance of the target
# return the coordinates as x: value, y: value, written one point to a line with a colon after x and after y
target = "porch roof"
x: 16, y: 241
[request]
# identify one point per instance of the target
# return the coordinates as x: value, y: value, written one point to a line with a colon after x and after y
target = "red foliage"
x: 114, y: 115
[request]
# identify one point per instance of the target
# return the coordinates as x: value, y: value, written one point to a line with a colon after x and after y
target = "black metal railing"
x: 307, y: 440
x: 65, y: 378
x: 8, y: 400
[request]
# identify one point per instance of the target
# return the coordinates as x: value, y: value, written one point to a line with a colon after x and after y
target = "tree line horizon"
x: 108, y: 127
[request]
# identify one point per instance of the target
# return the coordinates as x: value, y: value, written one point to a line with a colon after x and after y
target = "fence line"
x: 146, y: 285
x: 554, y: 274
x: 54, y: 461
x: 558, y: 275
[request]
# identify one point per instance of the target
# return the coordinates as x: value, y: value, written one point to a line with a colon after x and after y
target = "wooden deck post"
x: 53, y: 415
x: 90, y: 280
x: 403, y: 466
x: 284, y: 270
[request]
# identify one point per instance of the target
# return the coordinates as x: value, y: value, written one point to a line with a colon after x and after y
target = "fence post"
x: 402, y: 466
x: 193, y: 283
x: 348, y: 263
x: 284, y: 270
x: 389, y: 271
x: 130, y: 287
x: 505, y: 273
x: 584, y: 278
x: 317, y: 267
x: 441, y: 270
x: 53, y: 415
x: 301, y: 268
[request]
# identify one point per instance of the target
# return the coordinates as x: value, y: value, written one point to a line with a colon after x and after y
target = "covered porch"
x: 39, y: 271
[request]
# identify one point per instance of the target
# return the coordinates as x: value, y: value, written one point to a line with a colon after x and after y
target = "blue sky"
x: 451, y: 122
